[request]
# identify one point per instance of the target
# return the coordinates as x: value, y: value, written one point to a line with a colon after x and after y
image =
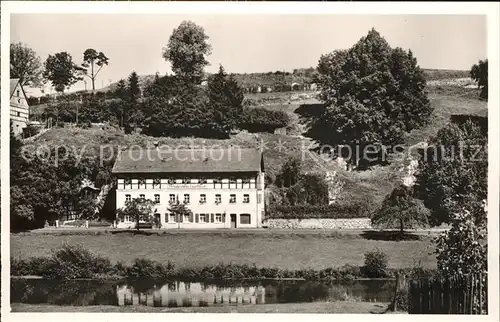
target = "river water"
x: 188, y: 294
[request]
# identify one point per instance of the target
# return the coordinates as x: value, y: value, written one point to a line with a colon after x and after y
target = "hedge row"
x: 312, y: 212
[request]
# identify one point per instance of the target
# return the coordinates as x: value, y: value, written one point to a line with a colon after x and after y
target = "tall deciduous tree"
x: 453, y: 171
x: 187, y: 50
x: 61, y: 71
x: 225, y: 99
x: 93, y: 60
x: 400, y: 209
x: 25, y: 65
x: 479, y: 73
x: 137, y: 210
x: 374, y: 95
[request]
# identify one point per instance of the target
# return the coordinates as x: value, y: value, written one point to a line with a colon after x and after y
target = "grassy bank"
x: 194, y: 250
x: 315, y: 307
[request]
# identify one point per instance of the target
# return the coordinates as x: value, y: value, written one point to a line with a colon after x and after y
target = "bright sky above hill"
x: 248, y: 43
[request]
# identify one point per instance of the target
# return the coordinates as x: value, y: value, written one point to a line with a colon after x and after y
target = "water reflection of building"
x: 180, y: 294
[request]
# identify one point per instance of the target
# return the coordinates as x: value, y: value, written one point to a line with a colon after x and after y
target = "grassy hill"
x: 373, y: 184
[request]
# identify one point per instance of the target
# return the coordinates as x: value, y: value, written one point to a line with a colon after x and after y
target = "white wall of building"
x: 19, y: 110
x: 254, y: 207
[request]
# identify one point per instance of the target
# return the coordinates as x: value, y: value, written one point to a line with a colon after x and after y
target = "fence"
x: 454, y: 295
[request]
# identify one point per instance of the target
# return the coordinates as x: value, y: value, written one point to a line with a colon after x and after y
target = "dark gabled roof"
x: 13, y: 84
x: 200, y: 161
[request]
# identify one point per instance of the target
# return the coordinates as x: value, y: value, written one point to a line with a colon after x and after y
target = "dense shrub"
x: 400, y: 301
x: 258, y: 119
x: 30, y: 131
x: 145, y: 268
x: 36, y: 266
x: 74, y: 261
x: 311, y: 211
x: 375, y: 264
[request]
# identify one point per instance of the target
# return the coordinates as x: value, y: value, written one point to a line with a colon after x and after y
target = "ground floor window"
x: 218, y: 218
x: 245, y: 219
x: 203, y: 218
x: 172, y: 218
x: 186, y: 218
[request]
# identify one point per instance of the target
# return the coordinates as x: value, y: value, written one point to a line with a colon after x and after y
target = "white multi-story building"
x: 19, y: 108
x: 224, y: 188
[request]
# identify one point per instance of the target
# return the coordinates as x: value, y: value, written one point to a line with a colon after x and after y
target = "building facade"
x: 223, y: 189
x: 19, y: 108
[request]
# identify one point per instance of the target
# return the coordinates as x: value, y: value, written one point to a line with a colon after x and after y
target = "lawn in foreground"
x: 290, y: 251
x: 315, y: 307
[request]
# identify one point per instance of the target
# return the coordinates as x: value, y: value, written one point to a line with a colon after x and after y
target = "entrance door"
x: 233, y: 220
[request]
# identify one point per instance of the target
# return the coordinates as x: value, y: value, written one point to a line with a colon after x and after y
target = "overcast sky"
x: 248, y: 43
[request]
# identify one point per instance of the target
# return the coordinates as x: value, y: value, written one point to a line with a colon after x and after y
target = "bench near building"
x: 224, y: 188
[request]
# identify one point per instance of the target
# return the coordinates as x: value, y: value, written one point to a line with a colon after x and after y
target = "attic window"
x: 18, y: 93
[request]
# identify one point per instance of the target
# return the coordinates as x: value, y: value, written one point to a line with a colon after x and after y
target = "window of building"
x: 218, y: 218
x: 186, y: 180
x: 128, y: 198
x: 246, y: 198
x: 203, y: 198
x: 186, y: 199
x: 232, y: 183
x: 186, y: 218
x: 142, y: 197
x: 232, y: 199
x: 172, y: 218
x: 156, y: 183
x: 218, y: 199
x: 203, y: 218
x: 217, y: 183
x: 171, y: 181
x: 157, y: 198
x: 245, y: 219
x: 245, y: 183
x: 18, y: 113
x: 18, y: 93
x: 171, y: 198
x: 127, y: 181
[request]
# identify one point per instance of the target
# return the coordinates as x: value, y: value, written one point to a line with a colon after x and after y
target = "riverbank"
x: 315, y: 307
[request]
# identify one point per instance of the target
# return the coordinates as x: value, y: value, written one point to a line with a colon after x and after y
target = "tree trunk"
x: 137, y: 225
x: 401, y: 227
x: 93, y: 78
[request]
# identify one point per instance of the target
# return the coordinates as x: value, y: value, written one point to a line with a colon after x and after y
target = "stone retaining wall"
x: 355, y: 223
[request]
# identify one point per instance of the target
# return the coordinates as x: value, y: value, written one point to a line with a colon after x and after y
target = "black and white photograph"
x: 267, y: 162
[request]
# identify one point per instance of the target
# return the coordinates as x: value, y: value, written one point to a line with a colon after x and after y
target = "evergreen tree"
x: 225, y: 100
x: 134, y: 90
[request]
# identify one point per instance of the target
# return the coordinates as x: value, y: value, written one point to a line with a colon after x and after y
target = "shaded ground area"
x: 316, y: 307
x: 264, y: 248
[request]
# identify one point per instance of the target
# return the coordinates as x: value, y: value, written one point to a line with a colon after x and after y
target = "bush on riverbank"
x: 71, y: 262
